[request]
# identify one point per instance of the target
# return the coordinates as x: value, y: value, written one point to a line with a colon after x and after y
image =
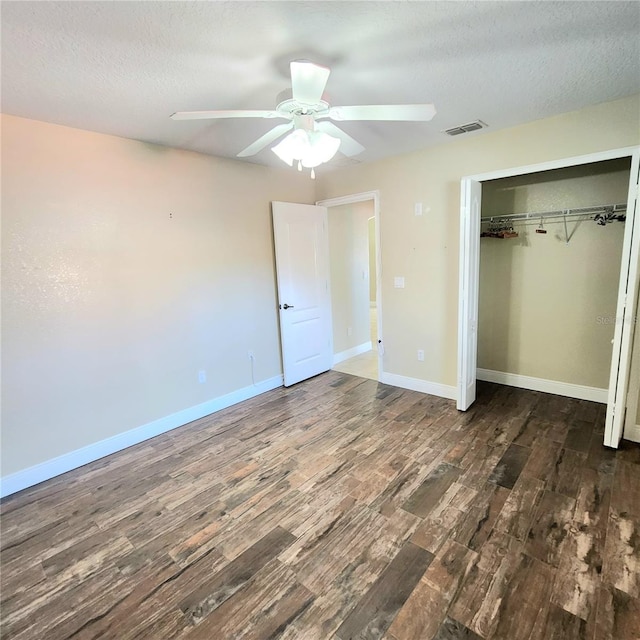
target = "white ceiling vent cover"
x: 466, y: 128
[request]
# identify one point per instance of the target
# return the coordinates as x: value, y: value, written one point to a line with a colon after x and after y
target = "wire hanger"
x: 541, y: 228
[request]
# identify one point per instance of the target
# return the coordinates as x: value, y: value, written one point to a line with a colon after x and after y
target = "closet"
x: 550, y: 254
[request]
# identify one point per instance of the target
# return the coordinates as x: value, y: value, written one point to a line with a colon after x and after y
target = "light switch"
x: 398, y: 282
x: 417, y: 208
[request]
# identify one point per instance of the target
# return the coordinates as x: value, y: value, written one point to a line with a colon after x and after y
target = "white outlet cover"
x: 398, y: 282
x: 417, y: 208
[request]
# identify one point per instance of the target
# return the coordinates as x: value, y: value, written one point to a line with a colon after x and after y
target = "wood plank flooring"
x: 339, y: 508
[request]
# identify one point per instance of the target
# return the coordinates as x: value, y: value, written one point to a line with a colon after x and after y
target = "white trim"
x: 74, y: 459
x: 416, y: 384
x: 561, y: 163
x: 632, y: 433
x: 351, y: 353
x: 566, y: 389
x: 352, y: 199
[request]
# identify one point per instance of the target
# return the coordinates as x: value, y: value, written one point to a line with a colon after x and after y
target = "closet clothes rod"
x: 560, y: 213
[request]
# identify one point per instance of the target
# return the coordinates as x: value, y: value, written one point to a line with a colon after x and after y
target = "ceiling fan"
x: 314, y: 139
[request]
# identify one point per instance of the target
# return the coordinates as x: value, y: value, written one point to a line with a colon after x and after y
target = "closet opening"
x: 549, y: 273
x: 550, y: 254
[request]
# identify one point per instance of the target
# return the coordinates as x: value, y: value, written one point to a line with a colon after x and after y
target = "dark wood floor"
x: 339, y: 508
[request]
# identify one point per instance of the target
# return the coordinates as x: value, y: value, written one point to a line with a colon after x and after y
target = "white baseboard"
x: 547, y: 386
x: 350, y: 353
x: 74, y: 459
x: 416, y: 384
x: 632, y: 433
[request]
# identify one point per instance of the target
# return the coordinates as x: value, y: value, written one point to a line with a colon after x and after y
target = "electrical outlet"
x: 202, y: 376
x: 349, y: 331
x: 421, y: 355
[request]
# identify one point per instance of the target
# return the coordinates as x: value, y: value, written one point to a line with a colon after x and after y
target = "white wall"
x: 127, y: 268
x: 425, y: 249
x: 349, y: 255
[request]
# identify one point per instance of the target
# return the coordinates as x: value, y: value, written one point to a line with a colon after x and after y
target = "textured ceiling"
x: 123, y: 67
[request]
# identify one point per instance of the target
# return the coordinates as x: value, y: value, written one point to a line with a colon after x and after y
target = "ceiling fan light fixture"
x: 309, y: 148
x: 292, y: 147
x: 322, y: 147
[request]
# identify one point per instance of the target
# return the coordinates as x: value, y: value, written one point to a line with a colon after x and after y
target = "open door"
x: 302, y: 269
x: 625, y: 320
x: 470, y: 201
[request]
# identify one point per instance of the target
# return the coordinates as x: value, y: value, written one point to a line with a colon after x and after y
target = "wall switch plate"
x: 349, y: 331
x: 398, y: 282
x: 202, y: 376
x: 417, y: 208
x: 421, y: 355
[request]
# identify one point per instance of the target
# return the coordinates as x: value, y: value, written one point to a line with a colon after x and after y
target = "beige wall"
x: 127, y: 268
x: 111, y: 305
x: 349, y: 255
x: 372, y: 260
x: 547, y: 309
x: 633, y: 399
x: 424, y: 249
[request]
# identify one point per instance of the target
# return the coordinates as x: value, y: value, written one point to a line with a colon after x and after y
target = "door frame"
x: 353, y: 199
x: 467, y: 274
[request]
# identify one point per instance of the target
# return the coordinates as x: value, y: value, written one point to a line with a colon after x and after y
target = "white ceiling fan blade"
x: 263, y: 141
x: 408, y: 112
x: 348, y: 146
x: 233, y: 113
x: 308, y: 81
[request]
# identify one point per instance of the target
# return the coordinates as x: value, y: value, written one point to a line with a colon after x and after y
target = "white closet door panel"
x: 624, y: 329
x: 471, y: 199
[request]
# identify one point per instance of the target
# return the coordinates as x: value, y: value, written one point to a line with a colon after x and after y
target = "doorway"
x: 354, y: 248
x: 471, y: 199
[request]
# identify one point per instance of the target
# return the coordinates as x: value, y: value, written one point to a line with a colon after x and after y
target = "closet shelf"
x: 560, y: 213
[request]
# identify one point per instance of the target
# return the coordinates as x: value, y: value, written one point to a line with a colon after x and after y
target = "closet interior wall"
x: 547, y: 308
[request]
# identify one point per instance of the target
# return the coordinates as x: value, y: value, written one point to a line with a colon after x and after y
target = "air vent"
x: 466, y: 128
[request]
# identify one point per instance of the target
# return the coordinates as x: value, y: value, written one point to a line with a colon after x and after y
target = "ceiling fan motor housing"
x: 291, y: 108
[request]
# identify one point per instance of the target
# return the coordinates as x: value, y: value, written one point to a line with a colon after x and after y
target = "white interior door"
x: 624, y: 327
x: 302, y: 268
x: 470, y: 201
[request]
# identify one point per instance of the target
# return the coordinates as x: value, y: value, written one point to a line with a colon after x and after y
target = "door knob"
x: 287, y: 306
